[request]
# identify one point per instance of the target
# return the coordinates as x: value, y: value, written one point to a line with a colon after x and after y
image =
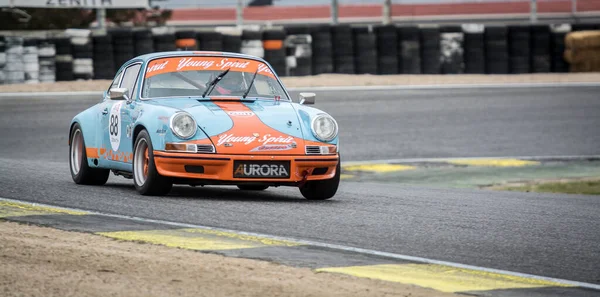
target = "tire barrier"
x: 2, y: 60
x: 583, y: 51
x: 452, y: 50
x: 123, y: 48
x: 519, y: 49
x: 46, y: 57
x: 164, y: 42
x: 342, y: 42
x: 64, y: 59
x: 209, y: 41
x: 430, y: 49
x: 474, y: 48
x: 274, y: 50
x: 496, y: 49
x: 322, y: 49
x: 31, y: 63
x: 143, y: 42
x: 298, y: 44
x: 365, y: 51
x: 82, y: 51
x: 232, y: 43
x: 557, y: 41
x: 14, y: 68
x: 252, y: 43
x: 409, y: 50
x: 540, y: 49
x: 387, y: 49
x: 104, y: 58
x: 186, y: 40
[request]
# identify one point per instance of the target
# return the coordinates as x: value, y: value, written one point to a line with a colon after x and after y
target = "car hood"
x: 252, y: 127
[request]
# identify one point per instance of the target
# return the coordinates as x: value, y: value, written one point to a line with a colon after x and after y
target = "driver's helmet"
x: 232, y: 83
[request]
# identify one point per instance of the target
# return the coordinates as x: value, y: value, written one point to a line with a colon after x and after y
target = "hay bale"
x: 574, y: 56
x: 583, y: 39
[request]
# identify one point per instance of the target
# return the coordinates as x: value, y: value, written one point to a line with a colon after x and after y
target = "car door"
x: 117, y: 118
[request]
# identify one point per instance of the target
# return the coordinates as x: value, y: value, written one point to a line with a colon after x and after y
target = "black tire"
x: 252, y: 187
x: 154, y: 184
x: 85, y: 175
x: 322, y: 189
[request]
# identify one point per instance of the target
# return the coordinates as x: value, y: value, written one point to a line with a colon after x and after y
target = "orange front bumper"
x: 214, y: 167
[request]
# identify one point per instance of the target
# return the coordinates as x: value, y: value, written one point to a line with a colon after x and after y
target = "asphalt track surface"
x: 543, y: 234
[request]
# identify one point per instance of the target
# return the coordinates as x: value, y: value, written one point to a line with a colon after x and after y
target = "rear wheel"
x: 146, y: 179
x: 80, y: 171
x: 322, y: 189
x: 252, y: 187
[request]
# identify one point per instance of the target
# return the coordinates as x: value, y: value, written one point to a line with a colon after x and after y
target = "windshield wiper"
x: 250, y: 86
x: 214, y: 82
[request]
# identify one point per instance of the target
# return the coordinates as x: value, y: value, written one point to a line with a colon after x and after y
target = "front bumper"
x: 219, y: 169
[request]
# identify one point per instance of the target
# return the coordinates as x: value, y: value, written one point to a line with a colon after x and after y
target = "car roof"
x: 155, y: 55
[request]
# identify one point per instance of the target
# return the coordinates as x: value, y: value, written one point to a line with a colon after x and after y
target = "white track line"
x: 350, y: 88
x: 328, y: 245
x: 429, y: 160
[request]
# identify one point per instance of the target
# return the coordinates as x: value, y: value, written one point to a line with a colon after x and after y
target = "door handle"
x: 105, y: 111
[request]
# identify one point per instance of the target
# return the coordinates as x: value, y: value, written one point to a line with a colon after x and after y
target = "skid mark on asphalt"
x: 197, y: 239
x: 11, y: 209
x: 442, y: 278
x: 494, y: 162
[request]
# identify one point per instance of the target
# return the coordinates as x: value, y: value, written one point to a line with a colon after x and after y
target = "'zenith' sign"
x: 76, y: 3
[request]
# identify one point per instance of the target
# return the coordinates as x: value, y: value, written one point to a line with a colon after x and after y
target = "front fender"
x: 306, y: 114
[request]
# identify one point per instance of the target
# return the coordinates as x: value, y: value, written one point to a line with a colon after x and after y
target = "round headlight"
x: 324, y: 127
x: 183, y: 125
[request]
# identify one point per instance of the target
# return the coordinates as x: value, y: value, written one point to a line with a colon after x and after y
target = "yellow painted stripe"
x: 197, y: 239
x: 442, y: 278
x: 494, y: 162
x: 346, y: 176
x: 14, y: 209
x: 378, y: 168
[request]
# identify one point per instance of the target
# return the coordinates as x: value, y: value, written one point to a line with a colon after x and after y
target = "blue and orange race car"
x: 205, y: 118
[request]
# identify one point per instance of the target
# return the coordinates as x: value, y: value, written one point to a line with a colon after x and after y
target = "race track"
x: 542, y: 234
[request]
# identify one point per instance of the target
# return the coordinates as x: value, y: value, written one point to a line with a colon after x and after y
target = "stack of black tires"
x: 430, y: 49
x: 540, y: 49
x: 409, y: 50
x: 557, y: 45
x: 365, y: 51
x: 322, y: 49
x: 164, y: 42
x: 496, y: 49
x: 210, y: 41
x: 274, y: 49
x: 143, y: 42
x: 474, y: 48
x: 104, y: 58
x: 231, y: 41
x: 342, y: 42
x: 186, y: 40
x: 64, y: 59
x: 124, y: 50
x: 519, y: 37
x: 298, y: 44
x: 452, y: 50
x: 387, y: 49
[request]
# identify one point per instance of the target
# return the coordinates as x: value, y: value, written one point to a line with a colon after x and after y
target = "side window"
x: 130, y: 78
x: 115, y: 82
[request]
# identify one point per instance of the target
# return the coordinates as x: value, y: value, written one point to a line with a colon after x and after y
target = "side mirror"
x: 307, y: 98
x: 118, y: 94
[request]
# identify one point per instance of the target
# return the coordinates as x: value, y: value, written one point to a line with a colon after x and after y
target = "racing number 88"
x: 114, y: 125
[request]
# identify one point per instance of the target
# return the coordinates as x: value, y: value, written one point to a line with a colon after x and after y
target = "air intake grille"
x: 313, y: 150
x: 205, y: 148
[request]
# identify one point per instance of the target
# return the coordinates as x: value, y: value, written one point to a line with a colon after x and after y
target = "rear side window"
x: 130, y: 78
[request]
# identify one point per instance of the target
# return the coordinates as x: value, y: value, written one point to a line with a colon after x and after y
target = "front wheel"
x: 81, y: 172
x: 145, y: 177
x: 322, y: 189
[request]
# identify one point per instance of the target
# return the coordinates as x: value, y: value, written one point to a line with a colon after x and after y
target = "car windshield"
x: 192, y: 75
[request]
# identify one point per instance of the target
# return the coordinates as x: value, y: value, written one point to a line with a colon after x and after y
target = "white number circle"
x: 114, y: 126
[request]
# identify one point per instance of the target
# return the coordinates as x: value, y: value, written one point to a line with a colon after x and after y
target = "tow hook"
x: 305, y: 174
